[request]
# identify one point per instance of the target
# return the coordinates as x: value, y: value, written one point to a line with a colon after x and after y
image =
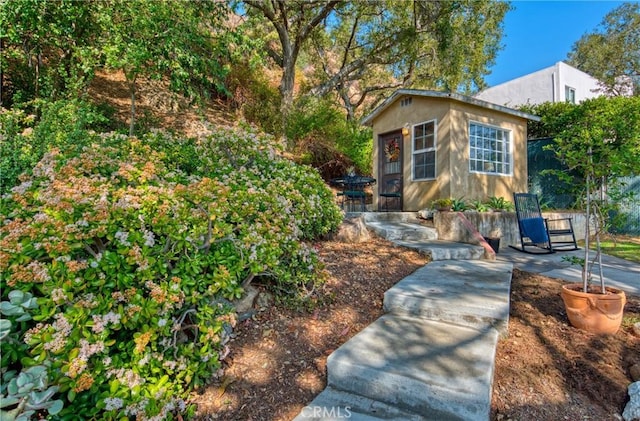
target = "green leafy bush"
x: 500, y: 204
x: 480, y: 206
x: 253, y: 94
x: 133, y: 250
x: 459, y: 205
x: 319, y: 119
x: 357, y: 143
x: 442, y: 203
x: 27, y: 133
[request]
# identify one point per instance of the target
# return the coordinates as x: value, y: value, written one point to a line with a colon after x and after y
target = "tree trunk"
x: 310, y: 15
x: 1, y: 74
x: 585, y: 265
x: 287, y: 83
x: 132, y: 90
x: 37, y: 87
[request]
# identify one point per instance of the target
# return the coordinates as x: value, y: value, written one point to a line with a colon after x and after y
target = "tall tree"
x: 602, y: 143
x: 294, y: 22
x: 49, y: 47
x: 172, y: 38
x: 612, y: 52
x: 378, y: 46
x: 361, y: 48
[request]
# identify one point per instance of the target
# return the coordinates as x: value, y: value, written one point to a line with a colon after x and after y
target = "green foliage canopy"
x: 52, y: 48
x: 49, y: 47
x: 554, y: 117
x: 608, y: 126
x: 25, y: 137
x: 167, y: 38
x: 612, y: 53
x: 375, y: 47
x: 608, y: 130
x: 356, y: 49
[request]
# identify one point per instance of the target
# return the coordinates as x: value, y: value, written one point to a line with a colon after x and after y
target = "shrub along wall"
x: 118, y: 262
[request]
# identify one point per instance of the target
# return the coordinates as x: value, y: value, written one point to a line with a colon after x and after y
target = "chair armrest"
x: 560, y: 229
x: 558, y: 219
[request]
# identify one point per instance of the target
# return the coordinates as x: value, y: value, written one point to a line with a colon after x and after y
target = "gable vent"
x: 406, y: 101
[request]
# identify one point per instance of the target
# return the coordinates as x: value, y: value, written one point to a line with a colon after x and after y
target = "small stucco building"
x: 430, y: 145
x: 558, y: 83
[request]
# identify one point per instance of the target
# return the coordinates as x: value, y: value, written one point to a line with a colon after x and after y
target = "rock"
x: 426, y: 213
x: 636, y: 328
x: 245, y: 304
x: 634, y: 370
x: 246, y: 315
x: 264, y: 300
x: 353, y: 230
x: 632, y: 409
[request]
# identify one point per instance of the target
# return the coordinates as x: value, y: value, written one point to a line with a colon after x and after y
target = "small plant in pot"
x: 459, y: 205
x: 443, y: 205
x: 601, y: 143
x: 480, y: 206
x: 500, y: 204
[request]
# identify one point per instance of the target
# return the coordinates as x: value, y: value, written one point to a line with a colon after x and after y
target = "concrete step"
x: 444, y: 250
x: 439, y: 370
x: 471, y: 293
x: 334, y: 404
x: 400, y: 230
x: 406, y: 230
x: 391, y: 217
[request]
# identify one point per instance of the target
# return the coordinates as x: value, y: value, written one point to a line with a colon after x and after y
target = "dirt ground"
x: 545, y: 369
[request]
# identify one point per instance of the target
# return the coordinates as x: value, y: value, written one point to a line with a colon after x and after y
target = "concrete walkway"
x: 618, y: 273
x: 431, y: 356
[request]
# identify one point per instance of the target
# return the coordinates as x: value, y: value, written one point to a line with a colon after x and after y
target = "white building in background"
x: 557, y: 83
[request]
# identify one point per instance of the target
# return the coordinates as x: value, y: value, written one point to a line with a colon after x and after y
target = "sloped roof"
x: 368, y: 120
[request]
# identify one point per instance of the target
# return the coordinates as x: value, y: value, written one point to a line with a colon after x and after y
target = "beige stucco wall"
x: 453, y: 178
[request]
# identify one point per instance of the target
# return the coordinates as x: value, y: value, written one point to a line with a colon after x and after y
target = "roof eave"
x: 368, y: 120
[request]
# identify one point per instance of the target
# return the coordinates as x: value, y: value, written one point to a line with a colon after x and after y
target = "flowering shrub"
x: 132, y: 249
x: 26, y: 136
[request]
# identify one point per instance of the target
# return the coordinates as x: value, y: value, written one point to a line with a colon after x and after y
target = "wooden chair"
x: 548, y: 235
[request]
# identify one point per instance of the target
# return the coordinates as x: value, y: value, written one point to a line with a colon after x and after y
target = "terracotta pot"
x: 593, y: 311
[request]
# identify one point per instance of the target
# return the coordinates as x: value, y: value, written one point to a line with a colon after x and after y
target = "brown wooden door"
x: 390, y: 171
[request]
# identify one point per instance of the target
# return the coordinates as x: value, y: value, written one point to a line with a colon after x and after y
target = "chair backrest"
x: 527, y: 206
x: 529, y: 216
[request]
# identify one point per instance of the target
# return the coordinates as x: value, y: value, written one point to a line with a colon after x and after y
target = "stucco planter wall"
x: 450, y: 225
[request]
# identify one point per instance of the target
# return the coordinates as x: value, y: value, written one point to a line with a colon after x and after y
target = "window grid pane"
x: 424, y: 152
x: 489, y: 149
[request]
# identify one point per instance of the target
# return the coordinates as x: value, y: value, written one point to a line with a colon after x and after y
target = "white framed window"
x: 424, y: 150
x: 489, y: 149
x: 569, y: 94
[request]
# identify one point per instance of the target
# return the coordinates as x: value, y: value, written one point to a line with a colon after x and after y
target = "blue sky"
x: 538, y: 34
